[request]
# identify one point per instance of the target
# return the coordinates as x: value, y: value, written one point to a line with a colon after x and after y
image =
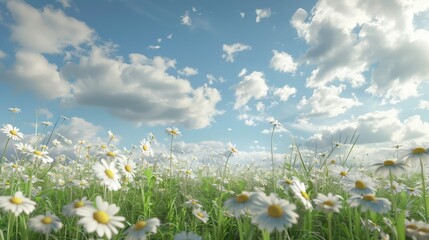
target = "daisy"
x: 241, y: 203
x: 70, y: 209
x: 231, y: 149
x: 193, y: 203
x: 359, y: 184
x: 139, y: 230
x: 41, y: 155
x: 108, y: 174
x: 338, y: 171
x: 174, y: 132
x: 24, y: 147
x: 200, y: 214
x: 15, y: 110
x: 187, y: 236
x: 416, y: 153
x: 286, y: 183
x: 328, y: 203
x: 47, y: 123
x: 12, y: 132
x: 412, y: 226
x: 411, y: 191
x: 390, y: 166
x: 17, y: 204
x: 111, y: 155
x: 298, y: 189
x: 101, y: 218
x: 370, y: 202
x: 274, y: 214
x: 146, y: 148
x: 111, y: 135
x: 127, y: 168
x: 45, y: 223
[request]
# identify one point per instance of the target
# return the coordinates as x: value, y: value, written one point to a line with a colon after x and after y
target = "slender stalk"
x: 226, y: 164
x: 2, y: 156
x: 272, y: 159
x: 171, y: 155
x: 424, y: 189
x: 394, y: 203
x: 330, y: 226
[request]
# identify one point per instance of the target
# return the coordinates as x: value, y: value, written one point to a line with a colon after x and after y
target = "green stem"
x: 2, y: 156
x: 272, y: 159
x: 226, y: 164
x: 330, y: 226
x: 424, y: 189
x: 171, y: 154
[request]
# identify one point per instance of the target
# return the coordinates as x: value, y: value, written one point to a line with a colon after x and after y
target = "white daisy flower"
x: 286, y: 183
x: 41, y: 155
x: 175, y: 132
x: 200, y: 214
x: 101, y: 218
x: 187, y: 236
x: 386, y: 167
x: 193, y: 203
x: 370, y: 202
x: 416, y: 153
x: 45, y: 223
x: 108, y: 174
x: 70, y: 209
x: 12, y: 132
x: 146, y: 148
x: 139, y: 230
x: 17, y: 204
x: 231, y: 149
x: 241, y: 203
x: 300, y: 192
x: 127, y: 168
x: 274, y: 214
x: 15, y: 110
x: 328, y: 203
x: 24, y: 147
x: 359, y: 184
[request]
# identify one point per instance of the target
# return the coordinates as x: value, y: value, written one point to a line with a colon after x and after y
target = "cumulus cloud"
x: 423, y: 105
x: 285, y: 92
x: 47, y: 30
x: 326, y: 102
x: 283, y: 62
x: 229, y: 51
x: 65, y: 3
x: 154, y: 47
x: 348, y: 40
x: 188, y: 71
x: 186, y: 19
x: 252, y: 86
x: 262, y: 14
x: 2, y: 54
x: 242, y: 14
x: 141, y: 90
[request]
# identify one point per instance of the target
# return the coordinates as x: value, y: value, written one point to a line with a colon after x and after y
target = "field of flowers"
x: 101, y: 192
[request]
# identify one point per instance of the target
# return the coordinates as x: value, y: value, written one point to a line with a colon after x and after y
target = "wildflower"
x: 298, y: 189
x: 146, y: 148
x: 370, y: 225
x: 70, y: 209
x: 41, y: 155
x: 174, y: 132
x: 56, y: 142
x: 187, y: 236
x: 127, y: 167
x: 338, y: 171
x: 412, y: 191
x: 200, y: 214
x: 17, y: 204
x: 286, y: 183
x: 370, y: 202
x: 14, y: 110
x: 111, y: 155
x: 275, y: 122
x: 101, y: 218
x: 390, y: 166
x: 111, y: 135
x: 359, y: 184
x: 139, y: 230
x: 12, y: 132
x: 416, y: 153
x: 108, y: 174
x: 273, y: 213
x: 24, y: 147
x: 192, y: 203
x: 241, y: 203
x: 45, y: 223
x: 47, y: 123
x: 231, y: 149
x: 328, y: 203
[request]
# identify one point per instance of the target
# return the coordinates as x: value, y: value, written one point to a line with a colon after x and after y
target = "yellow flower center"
x: 369, y: 197
x: 38, y: 153
x: 47, y: 220
x: 145, y: 147
x: 411, y: 189
x: 103, y: 146
x: 242, y: 198
x: 411, y: 226
x: 305, y: 195
x: 333, y: 162
x: 288, y: 182
x: 233, y: 149
x: 78, y: 204
x: 424, y: 230
x: 109, y: 173
x: 329, y: 203
x: 343, y: 173
x: 13, y: 132
x: 15, y: 200
x: 275, y: 211
x: 15, y: 166
x: 389, y: 163
x: 110, y: 154
x: 173, y: 132
x: 140, y: 225
x: 200, y: 214
x: 418, y: 150
x: 194, y: 202
x: 101, y: 217
x: 128, y: 168
x: 359, y: 184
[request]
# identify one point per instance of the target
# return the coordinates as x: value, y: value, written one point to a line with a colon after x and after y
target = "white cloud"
x: 242, y: 14
x: 252, y: 86
x: 423, y: 105
x: 65, y: 3
x: 326, y: 101
x: 45, y: 112
x: 2, y: 54
x: 285, y: 92
x: 230, y: 50
x: 262, y: 14
x: 186, y: 19
x: 283, y: 62
x: 349, y: 39
x: 33, y: 72
x: 188, y: 71
x: 141, y: 91
x: 260, y: 106
x: 242, y: 72
x: 154, y: 47
x: 46, y: 31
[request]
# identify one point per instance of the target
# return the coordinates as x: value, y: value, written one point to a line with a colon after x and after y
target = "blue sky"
x: 218, y: 70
